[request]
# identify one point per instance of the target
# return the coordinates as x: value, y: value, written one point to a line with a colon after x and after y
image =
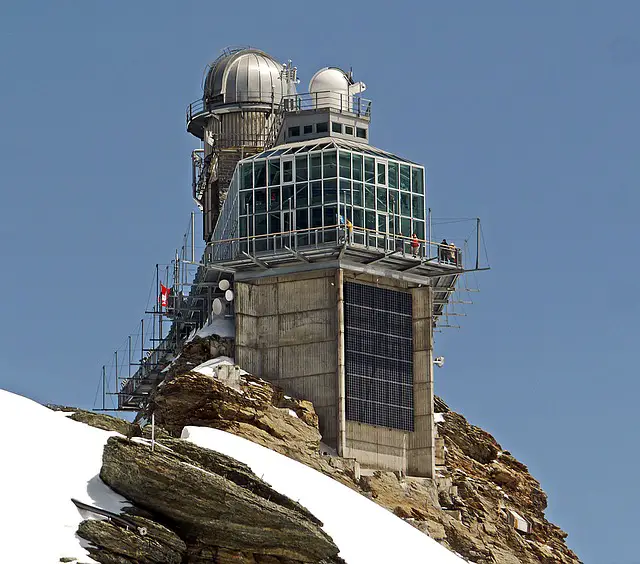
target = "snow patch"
x: 439, y: 418
x: 293, y: 413
x: 221, y: 326
x: 210, y: 367
x: 365, y: 532
x: 47, y: 460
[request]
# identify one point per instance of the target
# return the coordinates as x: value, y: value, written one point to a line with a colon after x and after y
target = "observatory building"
x: 326, y: 240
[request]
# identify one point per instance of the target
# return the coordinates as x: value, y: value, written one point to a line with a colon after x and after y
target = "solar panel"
x: 378, y: 356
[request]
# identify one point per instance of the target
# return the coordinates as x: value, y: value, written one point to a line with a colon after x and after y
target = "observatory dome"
x: 330, y: 79
x: 244, y: 75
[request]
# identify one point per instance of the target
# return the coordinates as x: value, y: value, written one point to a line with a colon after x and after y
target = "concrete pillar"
x: 421, y: 452
x: 341, y: 386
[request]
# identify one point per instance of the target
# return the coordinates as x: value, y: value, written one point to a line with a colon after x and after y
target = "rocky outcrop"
x: 100, y: 420
x: 214, y: 504
x: 119, y: 545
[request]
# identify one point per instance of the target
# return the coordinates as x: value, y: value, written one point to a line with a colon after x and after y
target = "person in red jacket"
x: 415, y: 245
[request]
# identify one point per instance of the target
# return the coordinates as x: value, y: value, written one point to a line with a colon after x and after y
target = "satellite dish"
x: 228, y: 295
x: 217, y: 306
x: 224, y: 284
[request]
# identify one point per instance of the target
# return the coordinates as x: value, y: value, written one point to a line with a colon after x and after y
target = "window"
x: 417, y: 183
x: 336, y: 127
x: 315, y: 166
x: 322, y: 127
x: 370, y: 197
x: 348, y: 130
x: 418, y: 207
x: 361, y: 132
x: 302, y: 172
x: 357, y: 194
x: 302, y: 195
x: 287, y: 171
x: 307, y: 129
x: 260, y: 173
x: 261, y: 200
x: 330, y: 191
x: 345, y: 164
x: 274, y: 198
x: 345, y: 191
x: 294, y: 131
x: 369, y: 170
x: 370, y: 218
x: 393, y: 174
x: 405, y: 177
x: 382, y: 173
x: 405, y: 204
x: 357, y: 167
x: 316, y: 217
x: 329, y: 164
x: 381, y: 197
x: 246, y: 202
x: 247, y: 175
x: 316, y: 193
x: 274, y: 172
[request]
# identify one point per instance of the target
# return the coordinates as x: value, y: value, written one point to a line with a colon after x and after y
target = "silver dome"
x: 244, y: 75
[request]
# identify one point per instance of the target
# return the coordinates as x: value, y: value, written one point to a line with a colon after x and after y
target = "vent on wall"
x: 378, y: 356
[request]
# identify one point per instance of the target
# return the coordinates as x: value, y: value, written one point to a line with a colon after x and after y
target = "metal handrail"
x: 426, y: 250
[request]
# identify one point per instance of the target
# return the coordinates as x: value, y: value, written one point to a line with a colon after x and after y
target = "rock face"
x: 235, y: 512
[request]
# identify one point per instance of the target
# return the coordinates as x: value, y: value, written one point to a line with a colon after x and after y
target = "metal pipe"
x: 477, y: 243
x: 116, y: 357
x: 129, y: 348
x: 104, y: 386
x: 429, y: 230
x: 193, y: 239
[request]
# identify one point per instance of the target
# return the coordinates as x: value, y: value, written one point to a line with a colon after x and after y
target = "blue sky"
x: 525, y: 115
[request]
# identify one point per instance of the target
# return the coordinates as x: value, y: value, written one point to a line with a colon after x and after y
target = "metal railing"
x: 342, y: 103
x: 331, y: 237
x: 348, y: 104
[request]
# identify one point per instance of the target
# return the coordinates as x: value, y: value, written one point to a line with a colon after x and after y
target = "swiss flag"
x: 164, y: 295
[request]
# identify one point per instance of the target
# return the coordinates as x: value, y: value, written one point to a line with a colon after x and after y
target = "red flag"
x: 164, y: 295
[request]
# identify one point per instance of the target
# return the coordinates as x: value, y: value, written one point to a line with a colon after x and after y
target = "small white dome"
x: 330, y: 79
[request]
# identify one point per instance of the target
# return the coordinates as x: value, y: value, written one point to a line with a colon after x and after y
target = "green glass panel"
x: 345, y: 164
x: 260, y: 173
x: 316, y: 217
x: 302, y: 172
x: 381, y: 198
x: 358, y: 199
x: 382, y: 173
x: 418, y: 207
x: 330, y: 216
x: 418, y: 227
x: 405, y: 177
x: 247, y: 175
x: 330, y: 191
x: 287, y: 202
x: 369, y: 169
x: 274, y: 223
x: 261, y: 224
x: 274, y: 198
x: 243, y: 226
x: 329, y: 164
x: 246, y: 199
x: 393, y: 174
x: 370, y: 197
x: 405, y: 204
x: 302, y: 219
x: 370, y: 218
x: 406, y: 227
x: 357, y: 167
x: 315, y: 161
x: 274, y: 172
x: 345, y: 191
x: 358, y: 217
x: 302, y: 195
x: 417, y: 180
x: 287, y: 171
x: 394, y: 202
x: 261, y: 200
x: 316, y: 193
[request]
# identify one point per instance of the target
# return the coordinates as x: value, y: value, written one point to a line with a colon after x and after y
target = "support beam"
x: 342, y: 418
x: 297, y: 254
x: 256, y: 261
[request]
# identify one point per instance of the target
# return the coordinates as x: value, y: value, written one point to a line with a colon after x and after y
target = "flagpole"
x: 160, y: 307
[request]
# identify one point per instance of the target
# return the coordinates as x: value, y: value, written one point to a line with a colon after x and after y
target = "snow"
x: 365, y: 532
x: 210, y: 367
x: 438, y: 418
x: 221, y: 326
x: 293, y: 413
x: 47, y: 459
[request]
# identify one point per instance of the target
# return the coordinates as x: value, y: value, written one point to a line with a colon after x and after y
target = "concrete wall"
x: 286, y: 329
x: 287, y: 333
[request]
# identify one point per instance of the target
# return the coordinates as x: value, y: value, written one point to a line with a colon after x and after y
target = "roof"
x: 327, y: 143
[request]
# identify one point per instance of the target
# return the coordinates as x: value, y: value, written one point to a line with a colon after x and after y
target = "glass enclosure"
x: 318, y: 193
